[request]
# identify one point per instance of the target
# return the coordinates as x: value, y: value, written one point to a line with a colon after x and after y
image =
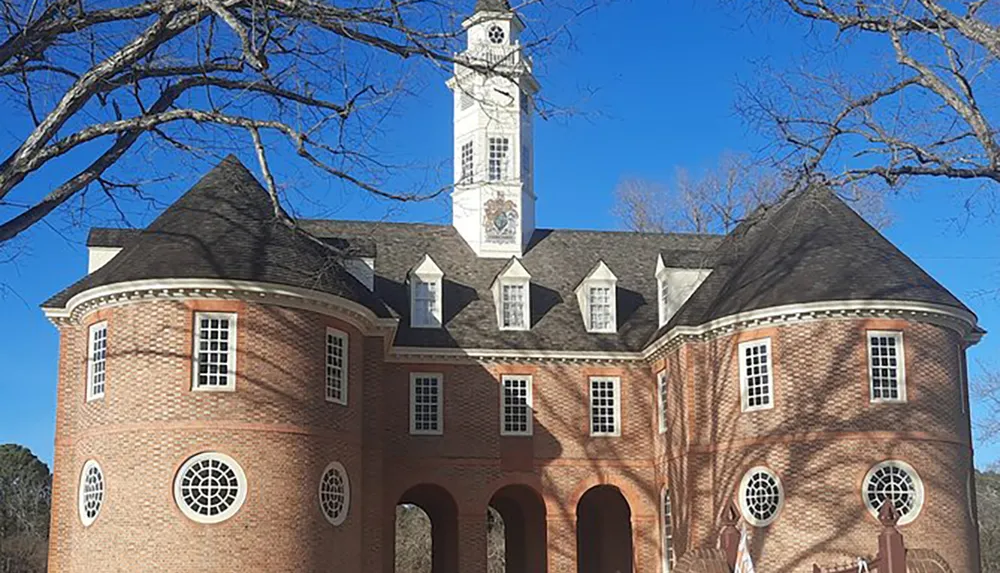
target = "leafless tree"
x: 717, y: 199
x: 312, y: 78
x: 893, y: 89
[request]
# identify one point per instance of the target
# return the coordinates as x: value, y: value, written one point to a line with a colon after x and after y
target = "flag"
x: 744, y: 563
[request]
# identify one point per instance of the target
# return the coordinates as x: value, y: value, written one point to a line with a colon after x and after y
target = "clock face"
x: 495, y: 34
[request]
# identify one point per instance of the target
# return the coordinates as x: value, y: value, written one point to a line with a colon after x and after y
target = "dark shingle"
x: 225, y: 227
x: 103, y: 237
x: 492, y: 6
x: 811, y: 248
x: 557, y: 261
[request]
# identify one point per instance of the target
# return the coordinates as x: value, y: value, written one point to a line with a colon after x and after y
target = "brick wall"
x: 821, y: 438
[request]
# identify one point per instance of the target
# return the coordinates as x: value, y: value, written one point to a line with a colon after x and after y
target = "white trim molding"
x: 119, y: 294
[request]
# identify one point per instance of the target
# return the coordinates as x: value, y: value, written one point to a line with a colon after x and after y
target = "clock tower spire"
x: 493, y: 201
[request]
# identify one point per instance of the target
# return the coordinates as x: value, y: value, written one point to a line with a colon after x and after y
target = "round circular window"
x: 210, y: 487
x: 761, y: 496
x: 896, y: 481
x: 335, y: 493
x: 495, y: 34
x: 91, y: 492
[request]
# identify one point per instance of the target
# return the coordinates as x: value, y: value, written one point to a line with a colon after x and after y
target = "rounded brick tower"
x: 204, y: 421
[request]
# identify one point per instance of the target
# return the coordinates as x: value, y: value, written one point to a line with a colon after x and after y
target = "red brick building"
x: 241, y: 393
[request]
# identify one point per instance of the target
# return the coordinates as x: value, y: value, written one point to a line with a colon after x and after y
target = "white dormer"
x: 674, y: 286
x: 512, y: 293
x: 100, y: 256
x: 425, y: 294
x: 597, y: 296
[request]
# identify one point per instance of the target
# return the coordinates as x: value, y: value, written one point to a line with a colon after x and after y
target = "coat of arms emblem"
x: 500, y: 219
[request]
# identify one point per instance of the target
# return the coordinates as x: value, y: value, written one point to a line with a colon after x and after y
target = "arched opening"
x: 603, y: 532
x: 522, y: 512
x: 426, y: 531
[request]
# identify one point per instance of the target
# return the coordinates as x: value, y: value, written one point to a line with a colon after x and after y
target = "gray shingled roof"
x: 810, y: 248
x: 557, y: 261
x: 492, y: 6
x: 224, y: 227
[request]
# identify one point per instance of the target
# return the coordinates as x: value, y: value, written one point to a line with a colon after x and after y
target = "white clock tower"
x: 493, y: 202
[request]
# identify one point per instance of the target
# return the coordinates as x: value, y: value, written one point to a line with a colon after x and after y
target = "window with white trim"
x: 214, y: 351
x: 605, y: 406
x: 761, y: 496
x: 897, y: 482
x: 600, y: 301
x: 425, y: 298
x: 499, y: 148
x: 664, y: 292
x: 885, y: 366
x: 91, y: 492
x: 210, y: 487
x: 515, y: 405
x: 756, y: 375
x: 335, y: 493
x: 661, y: 399
x: 336, y: 366
x: 426, y: 404
x: 514, y: 305
x: 97, y: 360
x: 467, y: 162
x: 666, y: 526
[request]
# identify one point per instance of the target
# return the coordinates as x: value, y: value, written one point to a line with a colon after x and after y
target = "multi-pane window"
x: 756, y: 377
x: 885, y: 355
x: 336, y: 366
x: 467, y: 162
x: 515, y: 406
x: 897, y: 482
x: 499, y: 152
x: 605, y: 406
x: 664, y: 300
x: 97, y: 360
x: 425, y: 297
x: 661, y: 399
x: 599, y: 301
x: 513, y: 304
x: 761, y: 496
x: 214, y: 351
x: 425, y: 404
x: 668, y: 533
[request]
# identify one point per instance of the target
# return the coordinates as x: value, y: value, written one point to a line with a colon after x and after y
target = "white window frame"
x: 345, y: 372
x: 529, y: 404
x: 467, y: 176
x: 498, y: 158
x: 919, y: 495
x: 241, y: 493
x: 617, y: 413
x: 81, y: 493
x: 744, y: 379
x: 900, y: 366
x: 612, y: 303
x: 745, y: 482
x: 661, y: 400
x: 663, y: 296
x: 339, y: 519
x: 413, y: 403
x: 230, y: 385
x: 525, y: 308
x: 666, y: 539
x: 92, y: 361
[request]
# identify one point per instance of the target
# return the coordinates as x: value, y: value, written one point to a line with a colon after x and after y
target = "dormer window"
x: 597, y: 298
x: 511, y: 290
x: 425, y: 294
x: 674, y: 286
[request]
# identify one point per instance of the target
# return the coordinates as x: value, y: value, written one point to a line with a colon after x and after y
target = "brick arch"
x: 440, y: 506
x: 634, y: 497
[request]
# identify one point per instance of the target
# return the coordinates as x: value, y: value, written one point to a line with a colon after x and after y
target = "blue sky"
x: 654, y: 84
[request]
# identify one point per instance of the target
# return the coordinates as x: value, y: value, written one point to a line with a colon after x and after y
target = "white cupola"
x: 493, y: 202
